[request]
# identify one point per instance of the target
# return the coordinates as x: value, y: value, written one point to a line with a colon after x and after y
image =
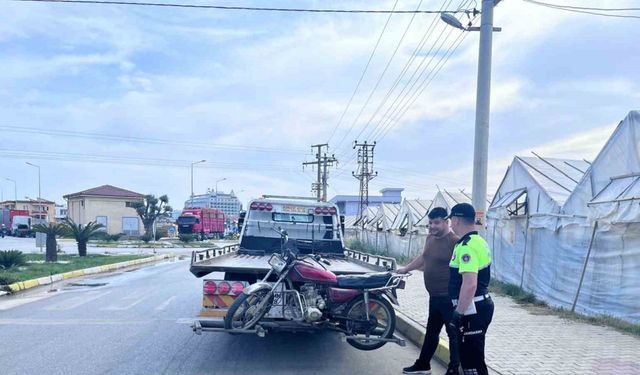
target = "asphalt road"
x: 137, y: 324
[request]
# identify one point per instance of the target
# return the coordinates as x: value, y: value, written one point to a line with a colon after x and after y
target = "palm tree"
x: 82, y: 233
x: 51, y: 230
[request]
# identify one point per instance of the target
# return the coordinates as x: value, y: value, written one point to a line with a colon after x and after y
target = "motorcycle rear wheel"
x: 244, y: 313
x: 380, y: 311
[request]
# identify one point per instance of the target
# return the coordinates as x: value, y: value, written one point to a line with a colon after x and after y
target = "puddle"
x: 87, y: 283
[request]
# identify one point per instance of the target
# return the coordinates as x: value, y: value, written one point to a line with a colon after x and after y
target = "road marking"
x: 74, y: 302
x: 135, y: 299
x: 166, y: 303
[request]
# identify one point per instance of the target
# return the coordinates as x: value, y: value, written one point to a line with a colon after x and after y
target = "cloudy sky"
x: 129, y: 96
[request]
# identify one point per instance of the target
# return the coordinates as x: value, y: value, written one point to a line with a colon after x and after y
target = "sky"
x: 130, y: 96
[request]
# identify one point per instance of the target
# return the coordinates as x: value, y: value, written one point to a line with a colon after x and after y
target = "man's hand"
x: 456, y: 322
x: 402, y: 270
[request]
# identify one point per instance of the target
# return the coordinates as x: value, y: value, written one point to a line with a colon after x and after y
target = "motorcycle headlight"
x: 277, y: 263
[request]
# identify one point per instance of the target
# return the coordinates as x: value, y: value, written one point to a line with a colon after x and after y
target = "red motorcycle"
x: 307, y: 297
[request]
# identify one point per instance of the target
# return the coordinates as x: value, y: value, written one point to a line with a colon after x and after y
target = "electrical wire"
x: 131, y: 139
x: 461, y: 37
x: 242, y: 8
x: 94, y: 158
x: 384, y: 71
x: 366, y: 67
x: 587, y: 10
x: 416, y: 51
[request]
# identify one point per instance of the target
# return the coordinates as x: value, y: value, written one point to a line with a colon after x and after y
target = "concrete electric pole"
x: 483, y: 105
x: 322, y: 163
x: 481, y: 141
x: 364, y: 174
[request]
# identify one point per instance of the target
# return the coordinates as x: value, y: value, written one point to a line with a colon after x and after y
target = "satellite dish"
x: 451, y: 20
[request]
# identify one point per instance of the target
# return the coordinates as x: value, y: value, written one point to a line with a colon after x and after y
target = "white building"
x: 229, y: 204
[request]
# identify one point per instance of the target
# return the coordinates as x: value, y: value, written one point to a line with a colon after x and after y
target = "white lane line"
x: 132, y: 299
x: 74, y: 302
x: 166, y: 303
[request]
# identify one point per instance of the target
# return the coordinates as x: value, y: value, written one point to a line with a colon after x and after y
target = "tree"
x: 83, y: 233
x: 51, y: 230
x: 150, y: 209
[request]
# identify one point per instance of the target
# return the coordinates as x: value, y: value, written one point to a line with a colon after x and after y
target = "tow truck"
x: 316, y: 227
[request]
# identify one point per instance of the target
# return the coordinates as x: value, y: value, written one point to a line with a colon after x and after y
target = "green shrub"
x: 187, y: 238
x: 115, y: 237
x: 12, y: 258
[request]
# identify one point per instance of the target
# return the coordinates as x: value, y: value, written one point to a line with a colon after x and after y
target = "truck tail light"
x: 237, y: 288
x: 333, y: 211
x: 224, y: 287
x: 325, y: 210
x: 268, y: 207
x: 209, y: 288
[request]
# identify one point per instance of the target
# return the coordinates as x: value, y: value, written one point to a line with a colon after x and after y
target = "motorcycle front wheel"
x: 381, y: 324
x: 245, y: 313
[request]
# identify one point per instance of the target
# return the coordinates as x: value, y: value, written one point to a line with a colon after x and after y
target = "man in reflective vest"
x: 469, y: 275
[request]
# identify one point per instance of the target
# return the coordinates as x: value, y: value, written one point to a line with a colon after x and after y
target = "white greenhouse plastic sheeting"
x: 578, y: 247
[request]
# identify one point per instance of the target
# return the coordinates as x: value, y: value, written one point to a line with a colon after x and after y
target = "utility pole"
x: 483, y: 96
x: 322, y: 163
x: 364, y: 174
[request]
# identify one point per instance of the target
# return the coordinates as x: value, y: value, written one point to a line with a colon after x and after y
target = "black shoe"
x: 418, y: 368
x: 452, y: 371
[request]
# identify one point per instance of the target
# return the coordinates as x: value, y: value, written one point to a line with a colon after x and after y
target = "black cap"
x: 463, y: 210
x: 438, y: 213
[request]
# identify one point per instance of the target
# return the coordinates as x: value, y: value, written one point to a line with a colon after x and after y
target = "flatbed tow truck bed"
x: 233, y: 259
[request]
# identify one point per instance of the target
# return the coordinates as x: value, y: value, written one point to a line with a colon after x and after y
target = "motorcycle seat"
x: 364, y: 281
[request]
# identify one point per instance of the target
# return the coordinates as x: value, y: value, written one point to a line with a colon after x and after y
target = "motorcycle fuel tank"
x: 307, y: 273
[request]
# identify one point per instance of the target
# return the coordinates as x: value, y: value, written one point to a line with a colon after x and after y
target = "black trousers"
x: 440, y: 311
x: 471, y: 339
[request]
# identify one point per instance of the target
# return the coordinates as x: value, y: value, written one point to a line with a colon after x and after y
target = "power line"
x: 587, y: 10
x: 423, y: 85
x: 410, y: 86
x: 242, y: 8
x: 93, y: 158
x: 411, y: 83
x: 461, y: 37
x: 384, y: 71
x: 409, y: 62
x: 115, y: 137
x: 366, y: 67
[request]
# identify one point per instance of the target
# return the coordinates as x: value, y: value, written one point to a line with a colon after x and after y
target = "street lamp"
x: 192, y: 164
x: 483, y: 94
x: 220, y: 180
x: 15, y: 191
x: 39, y: 186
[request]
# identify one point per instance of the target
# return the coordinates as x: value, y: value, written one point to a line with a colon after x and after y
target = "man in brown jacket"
x: 434, y: 263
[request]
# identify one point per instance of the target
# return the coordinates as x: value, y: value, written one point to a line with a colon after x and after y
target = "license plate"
x: 294, y: 209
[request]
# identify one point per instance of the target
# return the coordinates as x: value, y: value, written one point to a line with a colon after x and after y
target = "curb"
x: 414, y: 332
x: 46, y: 280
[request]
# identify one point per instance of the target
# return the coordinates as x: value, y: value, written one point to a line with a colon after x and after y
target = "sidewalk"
x: 527, y: 341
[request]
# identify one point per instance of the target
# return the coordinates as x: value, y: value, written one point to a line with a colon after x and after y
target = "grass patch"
x: 358, y: 245
x: 67, y: 263
x: 527, y: 299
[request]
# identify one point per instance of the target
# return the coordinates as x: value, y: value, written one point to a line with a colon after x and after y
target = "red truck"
x: 16, y: 222
x: 203, y: 222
